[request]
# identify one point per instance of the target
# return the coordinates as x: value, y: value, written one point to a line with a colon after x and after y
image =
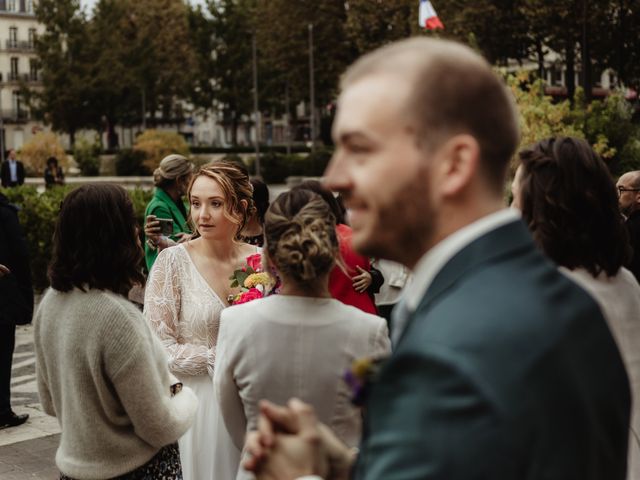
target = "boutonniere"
x: 254, y: 281
x: 360, y: 376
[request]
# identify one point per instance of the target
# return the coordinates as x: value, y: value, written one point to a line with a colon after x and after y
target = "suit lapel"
x: 506, y: 240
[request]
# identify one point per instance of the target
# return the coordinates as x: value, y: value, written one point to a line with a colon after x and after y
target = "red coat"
x: 340, y: 284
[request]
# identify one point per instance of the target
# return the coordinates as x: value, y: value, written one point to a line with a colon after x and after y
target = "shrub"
x: 157, y: 144
x: 131, y: 163
x: 38, y: 214
x: 87, y: 157
x: 34, y: 154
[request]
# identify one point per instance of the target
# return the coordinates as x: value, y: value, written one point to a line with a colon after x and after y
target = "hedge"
x: 38, y: 214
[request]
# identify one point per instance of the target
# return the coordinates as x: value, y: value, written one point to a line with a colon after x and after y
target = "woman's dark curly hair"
x: 569, y: 201
x: 260, y: 198
x: 96, y: 243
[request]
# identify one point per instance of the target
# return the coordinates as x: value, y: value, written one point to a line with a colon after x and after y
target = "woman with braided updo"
x: 297, y: 343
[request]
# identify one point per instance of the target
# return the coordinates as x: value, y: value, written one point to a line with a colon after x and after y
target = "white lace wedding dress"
x: 185, y: 313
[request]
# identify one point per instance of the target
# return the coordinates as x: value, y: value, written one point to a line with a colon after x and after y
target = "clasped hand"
x: 290, y: 443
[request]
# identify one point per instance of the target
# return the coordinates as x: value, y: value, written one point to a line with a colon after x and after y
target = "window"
x: 11, y: 5
x: 3, y: 5
x: 32, y: 37
x: 13, y: 37
x: 16, y: 102
x: 23, y: 6
x: 33, y: 70
x: 29, y: 6
x: 14, y: 68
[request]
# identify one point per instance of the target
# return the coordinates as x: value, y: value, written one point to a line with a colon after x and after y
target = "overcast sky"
x: 90, y: 3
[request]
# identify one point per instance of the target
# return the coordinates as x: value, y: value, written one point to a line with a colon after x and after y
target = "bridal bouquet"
x: 254, y: 281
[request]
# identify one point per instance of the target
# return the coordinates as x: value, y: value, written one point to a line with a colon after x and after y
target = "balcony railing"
x: 20, y: 45
x: 19, y: 77
x: 13, y: 115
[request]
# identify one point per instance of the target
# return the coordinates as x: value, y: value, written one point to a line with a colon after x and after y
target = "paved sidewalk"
x: 28, y: 451
x: 30, y: 460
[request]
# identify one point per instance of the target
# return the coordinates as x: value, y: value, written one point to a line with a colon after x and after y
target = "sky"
x: 90, y: 3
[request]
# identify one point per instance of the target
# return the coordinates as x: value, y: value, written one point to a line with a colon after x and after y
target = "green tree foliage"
x: 231, y: 30
x: 372, y: 23
x: 65, y: 58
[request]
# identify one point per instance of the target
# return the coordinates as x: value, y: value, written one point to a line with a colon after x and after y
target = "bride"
x: 186, y: 291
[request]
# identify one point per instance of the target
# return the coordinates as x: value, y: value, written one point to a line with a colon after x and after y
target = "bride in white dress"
x: 186, y: 292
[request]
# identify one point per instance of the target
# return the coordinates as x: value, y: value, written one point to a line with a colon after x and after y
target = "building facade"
x: 19, y: 29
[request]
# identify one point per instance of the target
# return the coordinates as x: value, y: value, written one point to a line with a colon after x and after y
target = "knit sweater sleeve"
x: 162, y: 305
x: 139, y: 374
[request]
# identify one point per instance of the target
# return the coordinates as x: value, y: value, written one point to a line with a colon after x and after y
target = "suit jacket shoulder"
x: 504, y: 364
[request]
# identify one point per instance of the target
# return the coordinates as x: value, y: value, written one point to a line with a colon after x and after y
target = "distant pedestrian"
x: 629, y: 201
x: 16, y: 302
x: 12, y: 171
x: 100, y: 369
x: 53, y: 174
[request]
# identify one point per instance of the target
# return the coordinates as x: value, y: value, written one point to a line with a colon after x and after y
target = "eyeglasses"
x: 621, y: 190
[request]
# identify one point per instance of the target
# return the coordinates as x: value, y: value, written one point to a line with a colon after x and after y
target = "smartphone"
x: 166, y: 226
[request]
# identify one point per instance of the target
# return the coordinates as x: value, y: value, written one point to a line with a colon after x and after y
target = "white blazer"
x: 286, y: 346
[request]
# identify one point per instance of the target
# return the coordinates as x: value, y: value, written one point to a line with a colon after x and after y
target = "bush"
x: 38, y: 214
x: 87, y: 157
x: 276, y: 167
x: 131, y: 163
x: 157, y: 144
x: 34, y: 154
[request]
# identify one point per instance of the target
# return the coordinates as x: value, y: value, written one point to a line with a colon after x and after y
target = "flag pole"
x: 312, y: 92
x: 256, y: 113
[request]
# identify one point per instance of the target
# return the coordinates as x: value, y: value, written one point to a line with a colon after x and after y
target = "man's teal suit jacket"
x: 506, y: 370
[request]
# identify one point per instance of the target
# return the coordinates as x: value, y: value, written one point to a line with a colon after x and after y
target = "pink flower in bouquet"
x: 249, y: 295
x: 255, y: 262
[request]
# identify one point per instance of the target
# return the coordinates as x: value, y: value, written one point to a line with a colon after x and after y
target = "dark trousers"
x: 7, y: 344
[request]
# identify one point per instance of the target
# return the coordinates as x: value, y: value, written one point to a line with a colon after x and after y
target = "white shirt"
x: 437, y: 257
x: 13, y: 170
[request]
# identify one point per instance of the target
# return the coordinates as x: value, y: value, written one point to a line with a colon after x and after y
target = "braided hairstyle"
x: 301, y: 236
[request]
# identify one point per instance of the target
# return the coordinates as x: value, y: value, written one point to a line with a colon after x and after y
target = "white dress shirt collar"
x: 437, y: 257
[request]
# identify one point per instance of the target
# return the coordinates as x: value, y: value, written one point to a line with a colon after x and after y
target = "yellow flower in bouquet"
x: 259, y: 279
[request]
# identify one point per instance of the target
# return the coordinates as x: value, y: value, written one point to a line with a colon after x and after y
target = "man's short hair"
x: 454, y: 91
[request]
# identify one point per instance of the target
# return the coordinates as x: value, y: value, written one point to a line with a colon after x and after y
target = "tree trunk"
x: 587, y: 83
x: 570, y: 73
x: 234, y: 131
x: 72, y: 138
x: 540, y: 55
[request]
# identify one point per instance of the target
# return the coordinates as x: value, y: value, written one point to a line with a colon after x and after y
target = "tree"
x: 65, y: 59
x: 231, y: 29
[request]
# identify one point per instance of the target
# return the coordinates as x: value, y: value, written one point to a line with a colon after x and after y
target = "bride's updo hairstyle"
x: 237, y: 189
x: 300, y: 234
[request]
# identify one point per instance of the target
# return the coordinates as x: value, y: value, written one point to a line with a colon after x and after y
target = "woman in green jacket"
x: 171, y: 179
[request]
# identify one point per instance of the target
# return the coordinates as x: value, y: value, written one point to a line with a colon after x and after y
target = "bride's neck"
x: 220, y: 250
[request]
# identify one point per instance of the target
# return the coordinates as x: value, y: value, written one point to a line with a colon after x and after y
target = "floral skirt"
x: 164, y: 466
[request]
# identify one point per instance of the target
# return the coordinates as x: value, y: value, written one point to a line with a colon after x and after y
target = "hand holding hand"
x: 362, y: 280
x: 290, y: 442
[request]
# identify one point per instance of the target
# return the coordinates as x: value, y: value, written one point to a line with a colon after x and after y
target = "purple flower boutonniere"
x: 359, y: 377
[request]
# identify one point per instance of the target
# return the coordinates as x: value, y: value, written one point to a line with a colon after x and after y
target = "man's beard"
x: 405, y: 228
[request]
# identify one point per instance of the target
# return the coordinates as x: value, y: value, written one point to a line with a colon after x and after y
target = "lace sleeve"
x: 162, y: 304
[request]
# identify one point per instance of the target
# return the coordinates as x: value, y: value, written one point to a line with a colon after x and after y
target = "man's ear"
x: 459, y: 162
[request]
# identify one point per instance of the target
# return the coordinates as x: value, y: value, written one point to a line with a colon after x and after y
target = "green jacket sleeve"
x: 161, y: 211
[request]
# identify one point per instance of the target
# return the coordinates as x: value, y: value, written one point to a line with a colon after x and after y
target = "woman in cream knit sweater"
x: 100, y: 369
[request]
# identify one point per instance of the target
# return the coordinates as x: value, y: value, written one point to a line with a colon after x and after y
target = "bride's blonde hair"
x: 300, y: 234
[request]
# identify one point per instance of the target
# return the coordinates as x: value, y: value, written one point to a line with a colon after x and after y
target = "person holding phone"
x: 166, y: 215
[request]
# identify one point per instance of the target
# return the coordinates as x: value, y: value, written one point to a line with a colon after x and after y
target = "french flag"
x: 428, y: 16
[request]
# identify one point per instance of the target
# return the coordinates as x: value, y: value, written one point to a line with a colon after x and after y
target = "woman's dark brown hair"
x: 569, y: 201
x: 96, y: 244
x: 316, y: 187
